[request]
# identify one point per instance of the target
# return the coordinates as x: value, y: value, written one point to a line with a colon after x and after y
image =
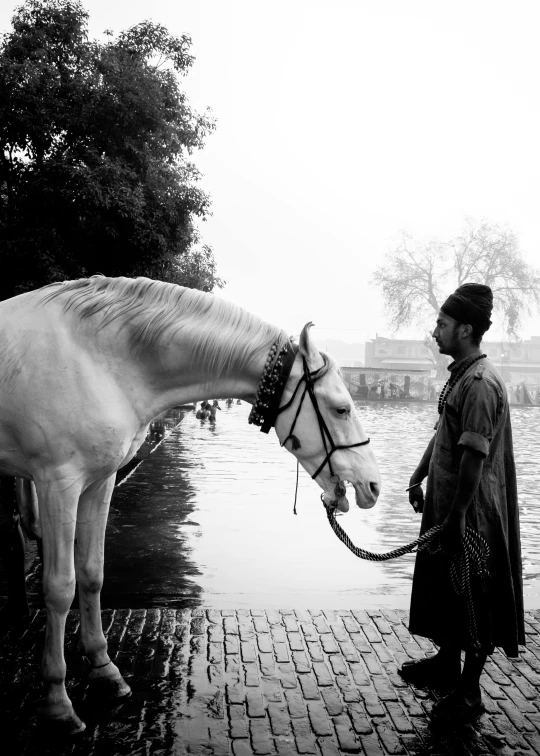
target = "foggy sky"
x: 340, y: 124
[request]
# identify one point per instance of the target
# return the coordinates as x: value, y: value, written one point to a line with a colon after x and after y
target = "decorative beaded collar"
x: 454, y: 378
x: 277, y: 369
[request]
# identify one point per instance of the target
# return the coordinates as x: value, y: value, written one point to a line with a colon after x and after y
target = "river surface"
x: 207, y: 518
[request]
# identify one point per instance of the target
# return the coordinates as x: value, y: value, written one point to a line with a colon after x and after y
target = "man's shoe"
x: 429, y: 673
x: 456, y: 709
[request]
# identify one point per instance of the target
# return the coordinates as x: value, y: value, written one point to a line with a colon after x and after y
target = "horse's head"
x: 319, y: 425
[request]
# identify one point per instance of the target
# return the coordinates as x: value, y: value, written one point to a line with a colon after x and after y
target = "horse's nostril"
x: 375, y: 488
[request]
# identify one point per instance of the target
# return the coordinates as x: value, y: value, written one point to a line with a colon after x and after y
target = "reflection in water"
x: 158, y: 430
x: 212, y: 511
x: 145, y: 563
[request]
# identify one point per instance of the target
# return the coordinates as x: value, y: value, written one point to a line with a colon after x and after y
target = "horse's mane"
x: 223, y: 336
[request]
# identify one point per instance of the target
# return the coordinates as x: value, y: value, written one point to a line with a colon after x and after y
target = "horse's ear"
x: 309, y: 350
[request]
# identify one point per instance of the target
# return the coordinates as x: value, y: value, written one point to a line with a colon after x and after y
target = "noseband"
x: 266, y: 408
x: 309, y: 378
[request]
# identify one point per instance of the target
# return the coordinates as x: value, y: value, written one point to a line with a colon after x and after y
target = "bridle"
x: 474, y: 556
x: 309, y: 378
x: 266, y: 408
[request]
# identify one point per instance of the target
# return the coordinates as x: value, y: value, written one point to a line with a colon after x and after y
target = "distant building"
x: 518, y: 363
x: 397, y: 354
x: 351, y: 355
x: 393, y: 385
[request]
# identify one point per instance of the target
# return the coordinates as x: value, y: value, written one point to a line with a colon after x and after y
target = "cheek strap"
x: 309, y: 379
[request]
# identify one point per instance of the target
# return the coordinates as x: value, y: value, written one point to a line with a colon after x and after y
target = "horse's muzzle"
x: 367, y: 494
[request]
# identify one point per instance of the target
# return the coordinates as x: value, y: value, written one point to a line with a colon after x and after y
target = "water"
x: 207, y: 518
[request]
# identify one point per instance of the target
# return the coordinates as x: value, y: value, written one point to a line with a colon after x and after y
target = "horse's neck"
x: 182, y: 375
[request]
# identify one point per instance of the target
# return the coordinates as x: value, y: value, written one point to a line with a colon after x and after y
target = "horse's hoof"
x: 110, y: 690
x: 68, y: 724
x: 110, y: 686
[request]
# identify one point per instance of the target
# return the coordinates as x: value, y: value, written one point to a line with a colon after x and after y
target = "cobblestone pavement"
x: 266, y: 682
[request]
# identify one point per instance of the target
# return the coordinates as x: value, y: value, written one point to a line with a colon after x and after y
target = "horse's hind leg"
x: 89, y: 553
x: 58, y: 503
x: 28, y: 507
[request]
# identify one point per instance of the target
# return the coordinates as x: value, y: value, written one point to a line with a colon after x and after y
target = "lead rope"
x: 472, y: 560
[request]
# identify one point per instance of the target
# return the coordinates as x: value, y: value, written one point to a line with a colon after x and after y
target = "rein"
x: 309, y: 379
x: 266, y: 409
x: 470, y: 561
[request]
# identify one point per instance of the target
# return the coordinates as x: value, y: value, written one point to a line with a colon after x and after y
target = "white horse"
x: 85, y: 366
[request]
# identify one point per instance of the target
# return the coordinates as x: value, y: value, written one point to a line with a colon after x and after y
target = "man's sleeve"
x: 479, y: 414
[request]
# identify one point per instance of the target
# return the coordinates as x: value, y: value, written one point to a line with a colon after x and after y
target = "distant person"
x: 213, y: 409
x: 229, y: 402
x: 202, y: 413
x: 471, y: 482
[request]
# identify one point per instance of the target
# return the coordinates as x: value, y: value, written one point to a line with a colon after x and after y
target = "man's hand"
x: 416, y: 497
x: 453, y: 531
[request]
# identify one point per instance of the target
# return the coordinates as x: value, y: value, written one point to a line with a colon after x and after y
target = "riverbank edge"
x: 269, y: 682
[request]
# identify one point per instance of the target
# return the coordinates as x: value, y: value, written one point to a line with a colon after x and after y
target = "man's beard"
x: 449, y: 348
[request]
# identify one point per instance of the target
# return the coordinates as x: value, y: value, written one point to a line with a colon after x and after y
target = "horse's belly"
x: 13, y: 467
x: 12, y: 461
x: 138, y: 441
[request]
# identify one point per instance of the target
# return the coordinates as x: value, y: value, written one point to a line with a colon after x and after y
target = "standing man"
x: 471, y: 482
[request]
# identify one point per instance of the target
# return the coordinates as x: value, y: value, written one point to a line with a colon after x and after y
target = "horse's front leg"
x: 58, y: 506
x: 104, y: 676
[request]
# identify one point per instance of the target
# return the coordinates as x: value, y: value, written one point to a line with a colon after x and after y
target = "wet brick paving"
x: 265, y: 682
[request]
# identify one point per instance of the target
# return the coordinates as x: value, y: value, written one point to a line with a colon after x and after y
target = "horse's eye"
x: 342, y: 411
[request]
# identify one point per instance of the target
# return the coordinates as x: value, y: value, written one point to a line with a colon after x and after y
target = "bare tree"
x: 417, y: 276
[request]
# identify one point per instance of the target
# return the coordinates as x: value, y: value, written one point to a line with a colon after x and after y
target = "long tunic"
x: 476, y: 415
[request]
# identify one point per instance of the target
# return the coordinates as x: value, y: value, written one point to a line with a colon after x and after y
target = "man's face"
x: 446, y: 334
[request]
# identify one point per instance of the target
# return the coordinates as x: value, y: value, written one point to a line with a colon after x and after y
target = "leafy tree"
x: 417, y: 277
x: 96, y: 141
x: 196, y: 269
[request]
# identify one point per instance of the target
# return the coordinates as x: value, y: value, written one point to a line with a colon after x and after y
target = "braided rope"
x: 470, y: 561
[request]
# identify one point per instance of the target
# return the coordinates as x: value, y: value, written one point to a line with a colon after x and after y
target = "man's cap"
x: 470, y: 304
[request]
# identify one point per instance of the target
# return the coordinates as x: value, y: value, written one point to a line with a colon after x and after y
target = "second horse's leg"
x: 92, y: 514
